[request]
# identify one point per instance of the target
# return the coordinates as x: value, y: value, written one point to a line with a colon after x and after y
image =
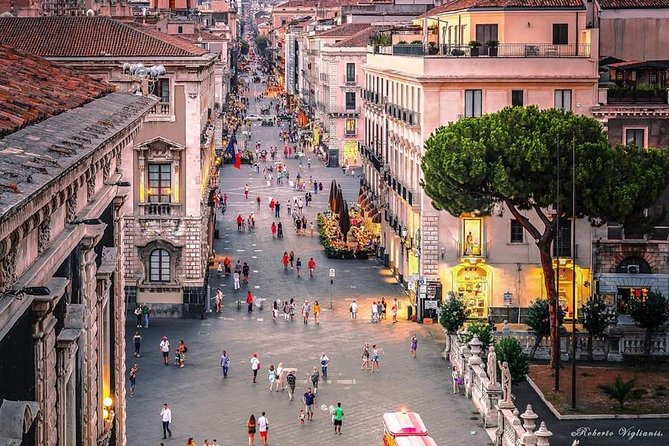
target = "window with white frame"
x: 563, y: 100
x: 159, y: 265
x: 635, y: 137
x: 473, y: 105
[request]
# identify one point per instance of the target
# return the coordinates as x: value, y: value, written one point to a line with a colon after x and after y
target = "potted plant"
x: 432, y: 50
x: 492, y: 47
x: 402, y: 42
x: 474, y: 45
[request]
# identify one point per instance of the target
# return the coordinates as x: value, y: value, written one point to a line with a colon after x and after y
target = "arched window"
x: 159, y: 266
x: 634, y: 265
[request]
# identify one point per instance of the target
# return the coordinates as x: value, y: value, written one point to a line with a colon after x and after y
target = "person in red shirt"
x: 284, y: 260
x: 240, y: 221
x: 249, y: 301
x: 312, y: 266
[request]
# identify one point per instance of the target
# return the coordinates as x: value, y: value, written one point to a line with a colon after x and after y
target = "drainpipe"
x: 576, y: 46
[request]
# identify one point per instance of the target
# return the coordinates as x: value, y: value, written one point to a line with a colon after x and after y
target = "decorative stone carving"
x: 44, y: 236
x: 106, y: 168
x: 492, y: 365
x: 506, y: 400
x: 16, y: 418
x: 8, y: 269
x: 72, y: 205
x: 90, y: 187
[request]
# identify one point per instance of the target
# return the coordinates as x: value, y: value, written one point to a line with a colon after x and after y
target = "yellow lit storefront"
x: 349, y: 156
x: 472, y: 282
x: 567, y: 272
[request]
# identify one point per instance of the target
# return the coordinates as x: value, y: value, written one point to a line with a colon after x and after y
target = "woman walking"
x: 413, y: 345
x: 285, y: 260
x: 317, y: 312
x: 291, y: 259
x: 275, y: 311
x: 225, y: 363
x: 291, y: 308
x: 273, y: 230
x: 251, y: 427
x: 182, y: 350
x: 271, y: 377
x: 286, y: 311
x: 455, y: 376
x: 249, y: 301
x: 376, y: 365
x: 315, y: 378
x: 280, y: 379
x: 365, y: 357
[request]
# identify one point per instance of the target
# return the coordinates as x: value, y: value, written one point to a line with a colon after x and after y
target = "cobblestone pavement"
x: 206, y: 406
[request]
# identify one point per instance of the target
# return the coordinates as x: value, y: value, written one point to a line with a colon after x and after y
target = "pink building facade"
x: 543, y: 56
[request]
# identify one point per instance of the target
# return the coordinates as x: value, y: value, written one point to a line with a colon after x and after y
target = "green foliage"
x: 452, y: 314
x: 649, y: 314
x: 402, y: 42
x: 380, y: 38
x: 480, y: 329
x: 621, y: 391
x: 261, y: 44
x: 595, y: 316
x: 244, y: 48
x: 416, y: 42
x: 537, y: 318
x: 474, y: 43
x: 492, y: 43
x: 510, y: 157
x: 509, y: 349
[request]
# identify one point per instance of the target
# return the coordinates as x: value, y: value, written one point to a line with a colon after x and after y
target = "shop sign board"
x: 433, y: 290
x: 332, y: 272
x: 508, y: 299
x: 431, y: 304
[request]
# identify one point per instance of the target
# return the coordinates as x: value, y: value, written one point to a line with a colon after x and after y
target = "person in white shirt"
x: 165, y: 349
x: 354, y: 310
x: 263, y: 428
x: 166, y: 417
x: 255, y: 366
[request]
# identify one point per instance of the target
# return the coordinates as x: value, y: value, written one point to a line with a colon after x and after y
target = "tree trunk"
x: 551, y: 294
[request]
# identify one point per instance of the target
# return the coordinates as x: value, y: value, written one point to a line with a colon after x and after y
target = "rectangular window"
x: 350, y: 72
x: 350, y: 127
x: 163, y: 90
x: 517, y: 98
x: 159, y: 266
x: 180, y: 29
x: 517, y: 232
x: 350, y: 100
x: 473, y: 103
x: 560, y: 33
x: 160, y: 183
x: 635, y: 138
x: 562, y: 244
x: 563, y: 100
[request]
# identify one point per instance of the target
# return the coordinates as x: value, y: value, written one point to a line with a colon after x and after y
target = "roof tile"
x: 458, y: 5
x: 633, y: 4
x: 357, y: 40
x: 33, y: 89
x: 345, y: 30
x: 91, y: 37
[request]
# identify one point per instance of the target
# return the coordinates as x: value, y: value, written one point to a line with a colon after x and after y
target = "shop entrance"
x: 472, y: 288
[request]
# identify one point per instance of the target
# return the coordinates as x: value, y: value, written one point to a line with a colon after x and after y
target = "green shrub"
x: 509, y: 349
x: 480, y: 329
x: 452, y: 314
x: 621, y: 391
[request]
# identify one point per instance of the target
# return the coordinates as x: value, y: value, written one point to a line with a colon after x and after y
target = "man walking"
x: 308, y: 399
x: 277, y: 209
x: 354, y: 309
x: 291, y: 380
x: 165, y: 349
x: 133, y: 379
x: 312, y: 266
x: 145, y: 314
x: 338, y: 418
x: 263, y: 428
x: 325, y: 361
x: 137, y: 340
x: 166, y: 417
x: 255, y: 366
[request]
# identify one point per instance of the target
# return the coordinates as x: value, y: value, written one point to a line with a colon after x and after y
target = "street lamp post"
x: 573, y: 279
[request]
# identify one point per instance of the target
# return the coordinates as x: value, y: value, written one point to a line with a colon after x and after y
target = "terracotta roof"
x: 345, y: 30
x: 633, y: 4
x: 33, y: 89
x: 91, y: 37
x: 314, y: 3
x: 357, y: 40
x: 458, y: 5
x: 202, y: 36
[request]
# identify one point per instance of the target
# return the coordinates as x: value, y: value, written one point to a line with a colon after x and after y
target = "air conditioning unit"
x: 633, y: 269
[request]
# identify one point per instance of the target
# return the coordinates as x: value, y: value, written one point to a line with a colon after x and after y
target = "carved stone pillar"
x: 119, y: 321
x: 66, y: 354
x: 44, y: 338
x: 91, y: 399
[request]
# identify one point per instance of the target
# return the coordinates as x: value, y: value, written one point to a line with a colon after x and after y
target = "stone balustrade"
x: 492, y: 399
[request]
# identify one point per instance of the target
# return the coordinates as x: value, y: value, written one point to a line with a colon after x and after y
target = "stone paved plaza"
x: 206, y: 406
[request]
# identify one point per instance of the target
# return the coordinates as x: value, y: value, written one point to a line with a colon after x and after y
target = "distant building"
x: 64, y: 141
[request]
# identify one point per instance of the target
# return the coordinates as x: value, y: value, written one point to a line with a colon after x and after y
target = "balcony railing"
x: 472, y: 250
x: 160, y: 209
x: 350, y: 80
x: 345, y: 111
x: 351, y: 133
x: 541, y: 50
x: 628, y: 96
x: 401, y: 113
x: 160, y: 109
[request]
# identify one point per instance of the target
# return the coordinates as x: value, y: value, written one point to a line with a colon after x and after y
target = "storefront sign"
x: 431, y: 304
x: 433, y: 290
x: 508, y: 299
